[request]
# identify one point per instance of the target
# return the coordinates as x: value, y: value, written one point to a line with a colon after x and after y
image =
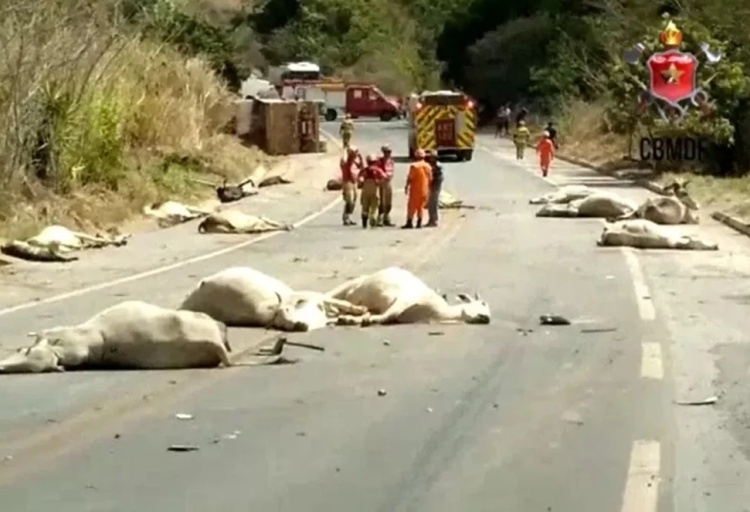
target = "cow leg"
x: 345, y: 306
x: 390, y: 316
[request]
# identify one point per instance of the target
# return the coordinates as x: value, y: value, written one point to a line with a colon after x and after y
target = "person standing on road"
x: 386, y: 187
x: 502, y: 122
x: 346, y: 130
x: 350, y: 164
x: 521, y: 116
x: 436, y: 184
x: 546, y: 151
x: 370, y: 178
x: 417, y: 190
x: 521, y: 137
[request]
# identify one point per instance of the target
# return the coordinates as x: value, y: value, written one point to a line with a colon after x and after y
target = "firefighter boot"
x: 419, y: 223
x: 387, y: 221
x: 364, y: 221
x: 408, y: 225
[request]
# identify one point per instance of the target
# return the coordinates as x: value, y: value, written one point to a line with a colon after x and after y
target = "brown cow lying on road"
x: 396, y: 296
x: 245, y: 297
x: 237, y: 222
x: 129, y: 335
x: 644, y: 234
x: 55, y: 243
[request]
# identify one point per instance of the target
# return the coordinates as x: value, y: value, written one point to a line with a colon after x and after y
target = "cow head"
x: 300, y: 314
x: 680, y: 191
x: 474, y: 310
x: 38, y: 358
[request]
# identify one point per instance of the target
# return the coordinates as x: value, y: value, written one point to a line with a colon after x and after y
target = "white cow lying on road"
x: 171, y: 213
x: 129, y: 335
x: 678, y: 208
x: 396, y: 296
x: 54, y: 243
x: 599, y: 204
x: 245, y: 297
x: 563, y: 195
x: 644, y: 234
x: 237, y: 222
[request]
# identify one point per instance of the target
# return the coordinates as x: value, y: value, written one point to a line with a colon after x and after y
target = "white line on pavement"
x: 642, y: 295
x: 166, y: 268
x: 642, y: 485
x: 652, y: 366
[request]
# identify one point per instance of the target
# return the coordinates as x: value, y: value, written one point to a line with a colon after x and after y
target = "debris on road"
x: 386, y: 343
x: 573, y: 417
x: 553, y: 320
x: 382, y: 392
x: 603, y: 329
x: 297, y: 259
x: 183, y: 416
x: 183, y: 448
x: 706, y: 401
x: 524, y: 332
x: 436, y: 333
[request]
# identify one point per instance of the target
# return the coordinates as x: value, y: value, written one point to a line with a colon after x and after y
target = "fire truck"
x: 339, y: 98
x: 444, y: 122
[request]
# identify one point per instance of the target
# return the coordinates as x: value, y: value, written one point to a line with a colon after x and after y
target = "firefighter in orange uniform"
x: 350, y: 164
x: 417, y: 190
x: 546, y: 151
x: 386, y: 187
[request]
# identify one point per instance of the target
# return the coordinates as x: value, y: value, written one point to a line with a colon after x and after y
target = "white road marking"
x: 166, y: 268
x: 652, y: 365
x: 642, y: 294
x: 642, y: 485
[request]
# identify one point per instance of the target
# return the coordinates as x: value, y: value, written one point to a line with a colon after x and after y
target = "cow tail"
x: 225, y: 336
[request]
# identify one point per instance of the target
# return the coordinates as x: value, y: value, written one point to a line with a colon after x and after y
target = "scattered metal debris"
x: 706, y: 401
x: 183, y: 448
x: 553, y: 320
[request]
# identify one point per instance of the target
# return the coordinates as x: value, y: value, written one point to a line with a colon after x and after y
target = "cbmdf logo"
x: 672, y: 89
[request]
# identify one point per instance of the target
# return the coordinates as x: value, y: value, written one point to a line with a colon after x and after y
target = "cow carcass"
x: 563, y: 195
x: 396, y: 296
x: 129, y: 335
x: 645, y: 234
x: 55, y: 243
x: 230, y: 193
x: 237, y: 222
x: 677, y: 208
x: 262, y: 177
x: 245, y: 297
x: 171, y: 213
x: 597, y: 205
x: 447, y: 201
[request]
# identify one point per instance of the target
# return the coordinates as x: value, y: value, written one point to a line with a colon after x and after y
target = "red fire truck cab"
x: 356, y: 99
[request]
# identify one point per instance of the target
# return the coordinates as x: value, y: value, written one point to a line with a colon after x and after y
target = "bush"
x: 89, y: 107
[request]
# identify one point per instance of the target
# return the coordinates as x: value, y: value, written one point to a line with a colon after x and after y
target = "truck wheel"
x: 466, y: 155
x: 386, y: 116
x: 330, y: 115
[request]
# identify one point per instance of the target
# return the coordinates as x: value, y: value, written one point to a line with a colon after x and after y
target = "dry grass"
x: 120, y: 121
x: 728, y: 195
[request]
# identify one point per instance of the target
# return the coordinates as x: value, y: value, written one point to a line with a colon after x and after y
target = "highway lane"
x: 512, y: 416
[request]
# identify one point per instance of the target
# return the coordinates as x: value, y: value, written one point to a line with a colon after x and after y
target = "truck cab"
x: 363, y: 100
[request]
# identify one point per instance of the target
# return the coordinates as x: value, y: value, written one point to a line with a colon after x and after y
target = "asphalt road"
x: 514, y: 416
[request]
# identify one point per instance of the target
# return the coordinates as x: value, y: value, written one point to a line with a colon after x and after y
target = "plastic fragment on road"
x: 706, y: 401
x: 183, y: 416
x: 183, y: 448
x: 553, y: 320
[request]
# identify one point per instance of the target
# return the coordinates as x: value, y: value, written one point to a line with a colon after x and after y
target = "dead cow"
x: 677, y: 208
x: 230, y: 193
x: 599, y: 205
x: 645, y: 234
x: 129, y: 335
x: 245, y: 297
x: 563, y: 195
x: 171, y: 213
x: 54, y: 243
x: 447, y: 201
x: 237, y: 222
x: 396, y: 296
